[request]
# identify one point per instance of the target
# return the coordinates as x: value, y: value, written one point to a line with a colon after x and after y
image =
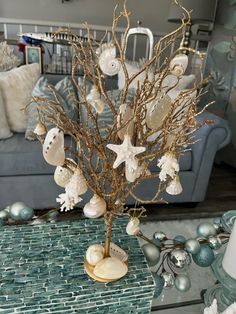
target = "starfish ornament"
x: 126, y: 153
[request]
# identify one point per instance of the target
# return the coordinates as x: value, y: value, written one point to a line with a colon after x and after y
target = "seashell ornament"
x: 95, y: 208
x: 174, y: 187
x: 94, y: 254
x: 40, y: 129
x: 116, y: 251
x: 108, y: 62
x: 110, y: 268
x: 62, y: 176
x: 157, y: 111
x: 125, y: 113
x: 94, y: 98
x: 53, y: 147
x: 133, y: 226
x: 179, y: 64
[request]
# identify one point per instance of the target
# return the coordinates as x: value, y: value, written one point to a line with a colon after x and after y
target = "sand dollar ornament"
x: 108, y: 62
x: 94, y: 254
x: 179, y: 64
x: 53, y: 147
x: 95, y: 208
x: 157, y: 111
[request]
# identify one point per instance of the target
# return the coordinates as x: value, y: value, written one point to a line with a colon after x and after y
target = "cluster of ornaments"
x: 174, y: 256
x: 16, y: 212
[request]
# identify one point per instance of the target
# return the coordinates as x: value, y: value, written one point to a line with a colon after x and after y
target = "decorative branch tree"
x: 153, y: 121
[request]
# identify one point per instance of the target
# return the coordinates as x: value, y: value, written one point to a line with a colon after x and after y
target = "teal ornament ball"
x: 152, y: 254
x: 26, y: 213
x: 15, y: 209
x: 182, y: 283
x: 4, y: 214
x: 192, y: 246
x: 204, y: 257
x: 159, y: 282
x: 206, y: 229
x: 179, y: 239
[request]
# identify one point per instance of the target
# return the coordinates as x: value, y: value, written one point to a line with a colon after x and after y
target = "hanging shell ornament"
x: 40, y: 129
x: 157, y: 111
x: 133, y: 226
x: 174, y: 187
x: 179, y: 64
x: 110, y: 268
x: 62, y: 176
x: 95, y: 208
x: 94, y: 98
x: 125, y: 113
x: 94, y: 254
x: 108, y: 62
x: 76, y: 186
x: 53, y: 147
x: 116, y: 251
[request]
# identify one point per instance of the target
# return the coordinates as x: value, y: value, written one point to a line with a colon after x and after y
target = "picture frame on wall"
x: 33, y: 55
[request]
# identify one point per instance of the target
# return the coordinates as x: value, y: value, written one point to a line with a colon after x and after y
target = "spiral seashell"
x: 110, y: 268
x: 133, y: 226
x: 94, y: 254
x: 178, y: 64
x: 125, y: 113
x: 95, y: 208
x: 108, y: 62
x: 40, y: 129
x: 53, y: 147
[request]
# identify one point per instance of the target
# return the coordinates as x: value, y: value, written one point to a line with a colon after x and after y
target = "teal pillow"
x: 63, y: 92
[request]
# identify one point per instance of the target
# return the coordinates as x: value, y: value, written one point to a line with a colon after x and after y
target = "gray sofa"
x: 25, y: 176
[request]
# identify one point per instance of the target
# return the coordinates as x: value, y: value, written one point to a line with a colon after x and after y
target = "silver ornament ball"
x: 15, y: 209
x: 206, y: 229
x: 168, y: 280
x: 192, y: 246
x: 180, y: 258
x: 4, y: 214
x: 182, y: 283
x: 159, y: 235
x: 214, y: 242
x: 152, y: 254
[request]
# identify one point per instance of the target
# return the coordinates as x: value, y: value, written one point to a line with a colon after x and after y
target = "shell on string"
x: 125, y: 113
x: 94, y: 254
x: 157, y: 111
x: 110, y: 268
x: 40, y: 129
x: 53, y: 147
x: 108, y: 62
x: 95, y: 208
x: 62, y: 175
x: 94, y: 98
x: 174, y: 187
x: 133, y: 226
x: 179, y: 64
x: 116, y: 251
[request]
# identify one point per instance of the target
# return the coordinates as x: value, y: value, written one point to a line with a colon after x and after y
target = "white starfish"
x: 126, y: 153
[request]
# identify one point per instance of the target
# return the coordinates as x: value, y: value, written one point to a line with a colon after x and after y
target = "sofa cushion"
x: 16, y: 87
x: 5, y: 131
x: 63, y: 92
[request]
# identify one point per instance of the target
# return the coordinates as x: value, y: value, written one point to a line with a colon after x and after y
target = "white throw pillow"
x: 4, y: 127
x: 16, y: 87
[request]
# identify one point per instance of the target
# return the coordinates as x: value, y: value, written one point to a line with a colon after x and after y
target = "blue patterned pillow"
x: 63, y: 92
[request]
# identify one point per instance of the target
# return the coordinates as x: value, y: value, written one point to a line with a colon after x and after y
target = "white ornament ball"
x: 94, y: 254
x: 4, y: 214
x: 15, y: 209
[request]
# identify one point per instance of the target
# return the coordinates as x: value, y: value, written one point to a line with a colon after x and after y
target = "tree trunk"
x: 108, y: 222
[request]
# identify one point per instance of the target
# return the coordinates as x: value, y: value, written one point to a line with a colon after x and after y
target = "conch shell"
x: 108, y: 62
x: 95, y: 254
x: 94, y: 98
x: 53, y: 147
x: 133, y: 226
x: 123, y: 117
x: 178, y: 64
x: 95, y: 208
x: 110, y: 268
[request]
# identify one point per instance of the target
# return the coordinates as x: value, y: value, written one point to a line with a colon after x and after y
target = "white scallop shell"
x: 62, y: 176
x: 108, y: 62
x: 125, y: 113
x: 95, y: 208
x: 94, y: 98
x: 116, y: 251
x: 174, y: 187
x: 77, y: 184
x: 53, y: 147
x: 95, y: 254
x: 110, y: 268
x: 40, y: 129
x: 178, y: 64
x: 133, y: 226
x: 157, y: 111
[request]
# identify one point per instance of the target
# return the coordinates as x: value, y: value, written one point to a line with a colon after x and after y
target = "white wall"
x: 153, y: 13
